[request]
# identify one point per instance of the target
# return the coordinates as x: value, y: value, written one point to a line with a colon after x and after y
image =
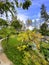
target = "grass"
x: 11, y: 51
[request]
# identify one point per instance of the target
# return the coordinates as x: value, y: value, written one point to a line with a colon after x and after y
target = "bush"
x: 20, y: 54
x: 45, y: 50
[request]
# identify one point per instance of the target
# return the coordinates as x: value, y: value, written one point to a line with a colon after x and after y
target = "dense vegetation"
x: 22, y: 46
x: 22, y: 50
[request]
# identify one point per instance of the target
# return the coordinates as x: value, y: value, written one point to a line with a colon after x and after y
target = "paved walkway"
x: 3, y: 58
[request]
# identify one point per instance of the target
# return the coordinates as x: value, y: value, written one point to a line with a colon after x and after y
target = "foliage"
x: 44, y: 13
x: 47, y: 32
x: 22, y: 56
x: 7, y: 31
x: 43, y: 28
x: 26, y: 4
x: 29, y: 22
x: 45, y: 50
x: 16, y: 24
x: 30, y: 36
x: 3, y: 22
x: 24, y: 48
x: 7, y: 5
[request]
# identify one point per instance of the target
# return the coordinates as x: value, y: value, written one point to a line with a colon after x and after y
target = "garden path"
x: 3, y: 58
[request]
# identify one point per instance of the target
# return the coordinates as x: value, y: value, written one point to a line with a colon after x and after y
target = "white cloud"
x: 33, y: 20
x: 22, y: 17
x: 31, y: 28
x: 48, y: 12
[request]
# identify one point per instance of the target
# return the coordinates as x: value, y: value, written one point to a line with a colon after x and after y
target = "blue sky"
x: 34, y: 10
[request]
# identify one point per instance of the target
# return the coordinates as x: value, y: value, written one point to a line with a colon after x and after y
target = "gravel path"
x: 3, y: 58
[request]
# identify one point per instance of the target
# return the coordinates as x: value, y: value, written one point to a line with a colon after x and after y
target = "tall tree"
x: 43, y: 28
x: 44, y: 13
x: 9, y: 5
x: 16, y: 24
x: 35, y: 24
x: 29, y: 22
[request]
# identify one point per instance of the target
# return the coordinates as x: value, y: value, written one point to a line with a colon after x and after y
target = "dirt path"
x: 3, y: 58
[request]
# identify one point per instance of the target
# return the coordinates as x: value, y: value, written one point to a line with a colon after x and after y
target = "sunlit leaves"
x: 22, y: 47
x: 30, y: 36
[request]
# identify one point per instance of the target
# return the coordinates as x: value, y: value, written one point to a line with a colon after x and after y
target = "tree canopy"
x: 16, y: 24
x: 3, y: 22
x: 44, y: 13
x: 29, y: 22
x: 43, y: 28
x: 7, y: 5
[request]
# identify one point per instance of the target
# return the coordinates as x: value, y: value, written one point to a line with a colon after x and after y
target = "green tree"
x: 29, y: 22
x: 35, y: 24
x: 16, y: 24
x: 43, y: 28
x: 26, y: 4
x: 7, y: 5
x: 3, y: 22
x: 44, y: 13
